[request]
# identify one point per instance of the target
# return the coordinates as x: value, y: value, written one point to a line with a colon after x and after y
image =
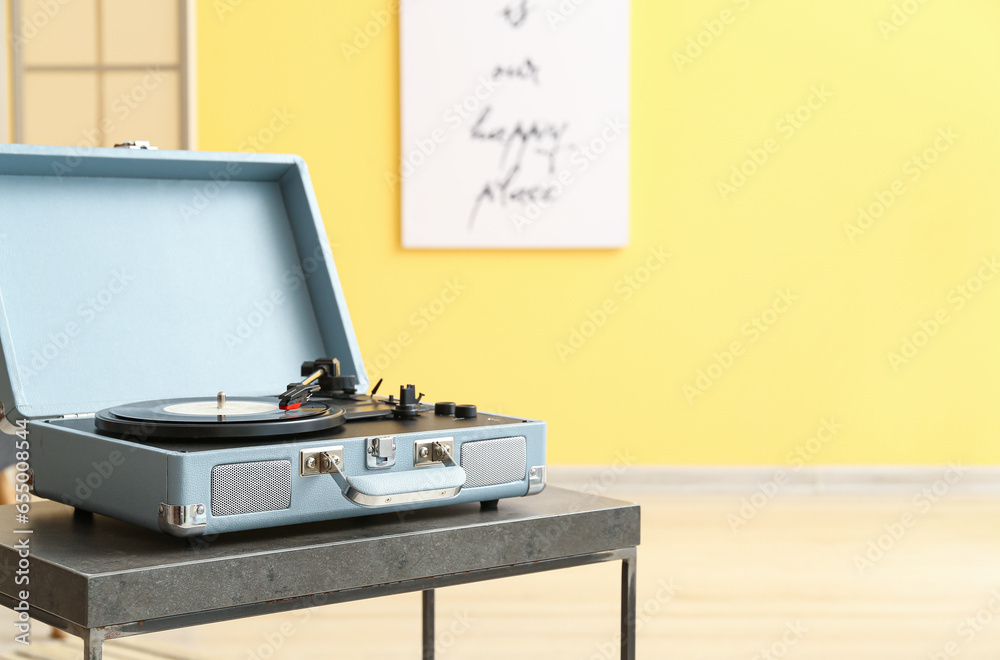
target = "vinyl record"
x: 193, y: 418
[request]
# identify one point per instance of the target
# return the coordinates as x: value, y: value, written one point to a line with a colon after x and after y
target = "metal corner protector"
x: 183, y: 519
x: 536, y: 480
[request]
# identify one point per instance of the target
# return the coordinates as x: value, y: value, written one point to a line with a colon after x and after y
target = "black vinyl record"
x: 238, y: 417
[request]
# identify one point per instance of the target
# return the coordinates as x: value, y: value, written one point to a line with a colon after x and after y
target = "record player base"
x: 100, y: 579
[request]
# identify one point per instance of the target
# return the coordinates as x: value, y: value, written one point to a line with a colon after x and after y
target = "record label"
x: 209, y: 408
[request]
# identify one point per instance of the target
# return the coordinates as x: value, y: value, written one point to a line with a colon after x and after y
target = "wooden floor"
x: 796, y: 580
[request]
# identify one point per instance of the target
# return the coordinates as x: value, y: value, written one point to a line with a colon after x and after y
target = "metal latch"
x: 437, y: 451
x: 380, y: 452
x: 135, y: 144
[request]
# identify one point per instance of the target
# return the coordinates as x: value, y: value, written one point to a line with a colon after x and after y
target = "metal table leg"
x: 628, y: 607
x: 92, y: 644
x: 428, y: 617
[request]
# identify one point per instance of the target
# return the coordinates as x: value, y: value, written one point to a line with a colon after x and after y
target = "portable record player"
x: 177, y: 345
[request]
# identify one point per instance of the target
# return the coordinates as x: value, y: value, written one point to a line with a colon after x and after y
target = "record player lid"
x: 130, y: 275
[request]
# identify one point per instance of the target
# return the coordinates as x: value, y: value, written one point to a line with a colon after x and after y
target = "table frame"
x: 94, y: 638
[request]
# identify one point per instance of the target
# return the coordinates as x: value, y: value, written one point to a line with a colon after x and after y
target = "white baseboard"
x: 806, y: 480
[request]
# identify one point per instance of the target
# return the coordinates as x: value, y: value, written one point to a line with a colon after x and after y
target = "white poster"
x: 514, y: 123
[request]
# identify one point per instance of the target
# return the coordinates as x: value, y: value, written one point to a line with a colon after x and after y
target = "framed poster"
x: 515, y: 124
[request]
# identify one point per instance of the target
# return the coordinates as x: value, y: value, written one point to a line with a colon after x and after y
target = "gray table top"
x: 96, y: 571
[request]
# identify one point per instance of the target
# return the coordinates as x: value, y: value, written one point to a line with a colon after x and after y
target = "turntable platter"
x: 212, y: 419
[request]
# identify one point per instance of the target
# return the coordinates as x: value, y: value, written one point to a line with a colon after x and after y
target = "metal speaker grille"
x: 492, y: 462
x: 251, y: 487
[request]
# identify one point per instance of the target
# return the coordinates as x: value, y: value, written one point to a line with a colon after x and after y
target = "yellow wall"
x: 857, y: 294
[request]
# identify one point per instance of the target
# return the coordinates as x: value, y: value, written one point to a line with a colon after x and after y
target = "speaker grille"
x: 251, y: 487
x: 492, y: 462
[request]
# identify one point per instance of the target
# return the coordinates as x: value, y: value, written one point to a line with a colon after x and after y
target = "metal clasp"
x: 380, y: 452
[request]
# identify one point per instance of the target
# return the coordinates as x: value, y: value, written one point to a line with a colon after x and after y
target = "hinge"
x: 78, y: 416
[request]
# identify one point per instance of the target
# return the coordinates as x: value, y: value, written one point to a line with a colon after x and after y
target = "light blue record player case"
x: 131, y: 275
x: 128, y: 275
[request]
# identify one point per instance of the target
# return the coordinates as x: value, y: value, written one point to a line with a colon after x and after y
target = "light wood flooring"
x: 788, y: 582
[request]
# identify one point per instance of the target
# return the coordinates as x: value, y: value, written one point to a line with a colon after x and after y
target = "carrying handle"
x: 377, y: 491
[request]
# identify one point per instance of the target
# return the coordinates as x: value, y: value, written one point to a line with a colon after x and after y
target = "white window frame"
x: 5, y: 100
x: 189, y: 73
x: 186, y: 66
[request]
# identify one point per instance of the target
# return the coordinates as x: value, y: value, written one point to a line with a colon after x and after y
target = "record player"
x: 177, y: 345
